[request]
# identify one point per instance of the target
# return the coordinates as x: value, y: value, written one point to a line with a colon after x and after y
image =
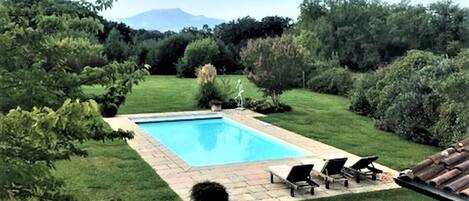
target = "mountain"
x: 168, y: 19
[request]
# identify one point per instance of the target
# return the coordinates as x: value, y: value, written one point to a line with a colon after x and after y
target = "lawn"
x: 115, y: 171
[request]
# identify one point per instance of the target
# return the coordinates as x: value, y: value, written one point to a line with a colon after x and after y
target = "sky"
x: 223, y: 9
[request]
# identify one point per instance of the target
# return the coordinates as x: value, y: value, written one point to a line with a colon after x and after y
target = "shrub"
x: 273, y: 64
x: 197, y: 53
x: 109, y: 110
x: 208, y: 191
x: 408, y: 117
x: 265, y: 107
x: 453, y: 124
x: 359, y: 102
x: 230, y: 104
x: 421, y: 97
x: 206, y: 74
x: 336, y: 81
x: 208, y: 90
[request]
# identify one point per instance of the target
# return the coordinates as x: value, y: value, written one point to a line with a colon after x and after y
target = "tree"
x: 116, y: 48
x: 33, y: 141
x: 164, y: 56
x: 273, y: 65
x: 142, y: 50
x: 197, y: 53
x: 41, y: 69
x: 450, y: 24
x: 236, y: 33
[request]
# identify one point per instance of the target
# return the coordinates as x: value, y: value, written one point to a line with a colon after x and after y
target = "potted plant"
x: 215, y: 105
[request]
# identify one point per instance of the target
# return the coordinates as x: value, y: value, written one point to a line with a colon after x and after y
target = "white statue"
x: 239, y: 97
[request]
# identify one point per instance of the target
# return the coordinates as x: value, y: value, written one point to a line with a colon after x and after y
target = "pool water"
x: 218, y: 141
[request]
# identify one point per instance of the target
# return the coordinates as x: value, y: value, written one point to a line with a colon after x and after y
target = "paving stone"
x: 277, y: 193
x: 260, y: 195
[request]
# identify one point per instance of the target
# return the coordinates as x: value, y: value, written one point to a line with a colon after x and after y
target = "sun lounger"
x: 332, y: 171
x: 296, y: 177
x: 363, y: 168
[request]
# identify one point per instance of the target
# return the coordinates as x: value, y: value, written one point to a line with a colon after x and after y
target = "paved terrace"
x: 246, y: 181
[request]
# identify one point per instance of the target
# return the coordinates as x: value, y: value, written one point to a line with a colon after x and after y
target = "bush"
x: 207, y: 73
x: 359, y: 102
x: 208, y: 90
x: 336, y: 81
x: 208, y: 191
x: 230, y: 104
x: 197, y: 53
x: 408, y: 117
x: 421, y: 97
x: 453, y: 124
x: 265, y: 107
x: 109, y: 110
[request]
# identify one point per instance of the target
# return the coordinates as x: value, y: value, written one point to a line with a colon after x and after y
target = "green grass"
x: 318, y: 116
x: 327, y: 119
x: 387, y: 195
x: 112, y: 171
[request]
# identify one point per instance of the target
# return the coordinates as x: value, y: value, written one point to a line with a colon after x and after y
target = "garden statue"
x: 239, y: 97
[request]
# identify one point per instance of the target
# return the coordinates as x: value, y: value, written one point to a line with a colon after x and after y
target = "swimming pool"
x: 217, y: 141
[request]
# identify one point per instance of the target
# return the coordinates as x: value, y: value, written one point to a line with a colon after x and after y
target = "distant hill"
x: 168, y: 19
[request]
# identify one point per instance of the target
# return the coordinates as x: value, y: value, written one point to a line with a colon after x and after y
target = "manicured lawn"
x: 326, y: 118
x: 113, y: 171
x: 321, y: 117
x: 388, y: 195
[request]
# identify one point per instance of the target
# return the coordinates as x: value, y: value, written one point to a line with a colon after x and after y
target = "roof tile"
x: 447, y: 170
x: 457, y: 184
x: 444, y: 177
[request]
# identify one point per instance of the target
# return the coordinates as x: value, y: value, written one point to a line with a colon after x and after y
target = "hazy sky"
x: 222, y: 9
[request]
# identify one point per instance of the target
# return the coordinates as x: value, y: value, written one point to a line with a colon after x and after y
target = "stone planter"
x: 215, y: 105
x: 216, y: 108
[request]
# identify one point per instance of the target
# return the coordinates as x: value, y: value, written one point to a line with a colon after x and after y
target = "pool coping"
x: 170, y: 166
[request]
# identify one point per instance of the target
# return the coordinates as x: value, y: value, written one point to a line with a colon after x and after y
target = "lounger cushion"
x: 281, y: 171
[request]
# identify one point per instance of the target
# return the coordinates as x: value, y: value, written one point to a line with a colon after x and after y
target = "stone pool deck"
x: 246, y: 181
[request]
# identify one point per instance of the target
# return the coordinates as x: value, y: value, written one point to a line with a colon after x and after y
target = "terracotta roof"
x: 447, y: 170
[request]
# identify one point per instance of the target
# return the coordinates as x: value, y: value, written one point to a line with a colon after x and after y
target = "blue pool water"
x: 218, y: 141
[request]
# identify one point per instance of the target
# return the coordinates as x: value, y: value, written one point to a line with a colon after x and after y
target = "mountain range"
x: 168, y: 20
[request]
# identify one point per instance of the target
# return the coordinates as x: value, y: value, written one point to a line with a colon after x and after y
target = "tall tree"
x: 273, y: 64
x: 367, y: 34
x: 116, y: 48
x: 43, y: 42
x: 197, y: 54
